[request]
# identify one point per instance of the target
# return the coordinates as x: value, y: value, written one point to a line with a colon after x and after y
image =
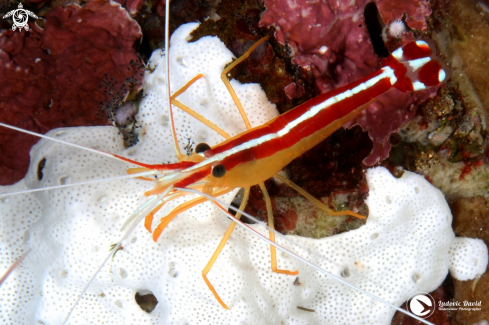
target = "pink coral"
x: 330, y: 40
x: 416, y: 12
x: 51, y: 77
x: 385, y: 116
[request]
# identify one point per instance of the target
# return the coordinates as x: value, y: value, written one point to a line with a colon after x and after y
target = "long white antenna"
x: 76, y: 184
x: 167, y: 50
x: 167, y: 67
x: 106, y: 154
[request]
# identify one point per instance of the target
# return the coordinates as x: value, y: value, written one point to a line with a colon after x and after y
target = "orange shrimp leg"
x: 316, y: 202
x: 192, y: 113
x: 221, y: 245
x: 179, y: 209
x: 224, y: 78
x: 273, y: 251
x: 226, y: 82
x: 148, y: 220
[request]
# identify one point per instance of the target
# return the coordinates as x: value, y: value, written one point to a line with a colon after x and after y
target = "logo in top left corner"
x: 20, y: 16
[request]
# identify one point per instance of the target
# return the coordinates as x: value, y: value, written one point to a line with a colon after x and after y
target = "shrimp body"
x: 263, y: 151
x: 259, y: 153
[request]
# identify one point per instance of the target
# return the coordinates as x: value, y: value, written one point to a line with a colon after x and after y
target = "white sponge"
x: 468, y: 258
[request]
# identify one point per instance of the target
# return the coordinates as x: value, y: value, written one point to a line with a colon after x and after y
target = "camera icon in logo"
x: 421, y: 304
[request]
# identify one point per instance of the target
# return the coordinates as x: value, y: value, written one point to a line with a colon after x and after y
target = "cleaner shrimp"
x: 105, y: 206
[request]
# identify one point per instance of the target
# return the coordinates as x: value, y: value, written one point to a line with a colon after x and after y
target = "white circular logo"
x: 20, y: 17
x: 421, y: 304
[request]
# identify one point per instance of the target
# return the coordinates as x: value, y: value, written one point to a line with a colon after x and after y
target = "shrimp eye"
x: 218, y: 171
x: 201, y: 148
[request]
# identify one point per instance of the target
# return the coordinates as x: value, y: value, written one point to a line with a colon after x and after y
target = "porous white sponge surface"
x: 468, y: 258
x: 403, y: 248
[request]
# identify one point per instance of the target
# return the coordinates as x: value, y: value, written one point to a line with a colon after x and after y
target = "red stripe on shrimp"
x: 283, y: 120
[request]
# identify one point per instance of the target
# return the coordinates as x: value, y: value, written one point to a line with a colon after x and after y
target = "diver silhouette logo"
x: 421, y: 304
x: 20, y: 16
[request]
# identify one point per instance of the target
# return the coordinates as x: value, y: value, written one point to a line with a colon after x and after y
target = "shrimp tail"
x: 423, y: 70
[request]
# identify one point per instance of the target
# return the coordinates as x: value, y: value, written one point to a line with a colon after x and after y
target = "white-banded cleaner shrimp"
x: 175, y: 273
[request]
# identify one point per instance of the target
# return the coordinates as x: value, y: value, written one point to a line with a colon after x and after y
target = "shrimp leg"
x: 226, y: 82
x: 192, y: 113
x: 273, y: 252
x: 221, y: 245
x: 316, y: 202
x: 179, y: 209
